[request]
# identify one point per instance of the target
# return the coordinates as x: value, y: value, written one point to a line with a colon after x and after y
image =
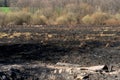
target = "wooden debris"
x: 67, y: 64
x: 96, y: 68
x: 78, y: 67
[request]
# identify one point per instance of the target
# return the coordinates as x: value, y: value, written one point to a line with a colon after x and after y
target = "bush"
x: 68, y: 19
x: 61, y: 20
x: 112, y: 21
x: 10, y: 18
x: 47, y: 12
x: 18, y: 18
x: 87, y: 20
x: 99, y: 18
x: 58, y: 18
x: 38, y: 19
x: 22, y: 17
x: 117, y: 16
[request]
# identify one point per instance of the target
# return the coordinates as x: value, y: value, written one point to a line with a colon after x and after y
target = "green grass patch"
x: 5, y: 9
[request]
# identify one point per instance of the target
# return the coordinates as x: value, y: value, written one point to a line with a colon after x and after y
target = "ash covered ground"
x: 28, y: 52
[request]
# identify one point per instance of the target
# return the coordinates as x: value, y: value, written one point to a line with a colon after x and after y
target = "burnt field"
x: 83, y: 45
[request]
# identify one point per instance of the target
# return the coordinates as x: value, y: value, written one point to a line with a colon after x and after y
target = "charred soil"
x: 82, y: 45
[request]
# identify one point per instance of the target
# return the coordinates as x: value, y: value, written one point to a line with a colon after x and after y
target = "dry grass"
x: 68, y: 19
x: 25, y: 35
x: 23, y: 17
x: 117, y: 16
x: 16, y: 18
x: 2, y: 18
x: 69, y: 14
x: 14, y: 35
x: 58, y: 18
x: 112, y: 21
x: 97, y: 18
x: 61, y: 20
x: 87, y: 20
x: 55, y: 12
x: 3, y: 35
x: 38, y: 19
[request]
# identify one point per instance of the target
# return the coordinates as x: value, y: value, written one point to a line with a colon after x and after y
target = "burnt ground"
x: 23, y: 47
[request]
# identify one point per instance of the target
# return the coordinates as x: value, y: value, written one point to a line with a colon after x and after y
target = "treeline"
x: 4, y: 3
x: 70, y: 12
x: 111, y: 6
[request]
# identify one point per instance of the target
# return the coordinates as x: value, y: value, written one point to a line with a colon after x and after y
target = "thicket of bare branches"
x: 111, y: 6
x: 90, y: 12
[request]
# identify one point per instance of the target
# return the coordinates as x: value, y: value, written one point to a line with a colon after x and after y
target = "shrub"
x: 10, y: 18
x: 38, y: 19
x: 87, y: 20
x: 47, y: 12
x: 23, y: 17
x: 18, y: 18
x: 112, y: 21
x: 72, y: 18
x: 99, y: 18
x: 61, y: 20
x: 68, y: 19
x: 117, y: 16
